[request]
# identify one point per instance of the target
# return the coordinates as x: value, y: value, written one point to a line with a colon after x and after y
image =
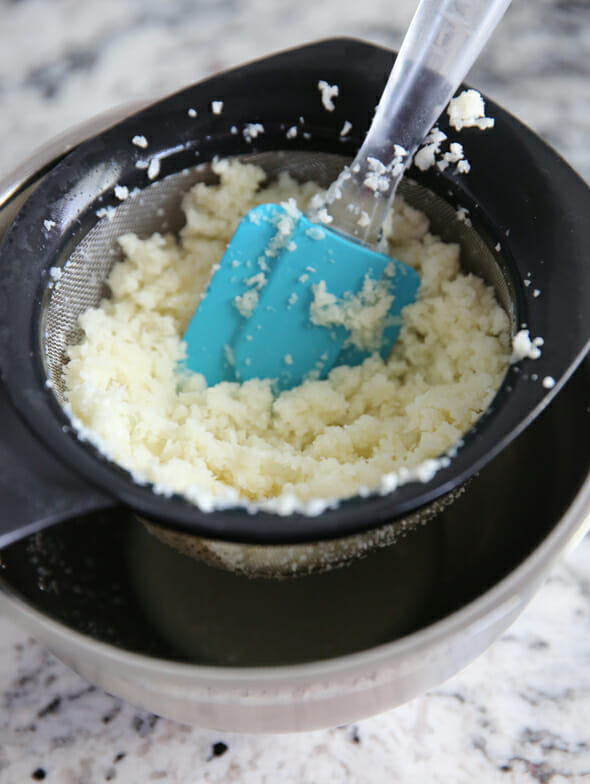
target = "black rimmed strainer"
x: 528, y: 214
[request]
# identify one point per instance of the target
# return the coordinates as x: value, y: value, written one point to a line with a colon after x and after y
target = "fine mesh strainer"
x: 527, y: 211
x: 157, y: 208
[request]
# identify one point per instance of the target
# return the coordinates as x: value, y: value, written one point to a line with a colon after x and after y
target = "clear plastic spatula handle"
x: 442, y: 42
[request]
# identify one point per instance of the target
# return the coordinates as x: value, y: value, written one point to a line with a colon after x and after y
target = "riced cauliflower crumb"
x: 192, y: 112
x: 425, y: 157
x: 252, y: 131
x: 328, y: 92
x: 106, y: 212
x: 455, y: 152
x: 216, y: 107
x: 548, y: 382
x: 246, y: 302
x: 369, y: 427
x: 462, y: 214
x: 140, y: 141
x: 429, y: 153
x: 49, y: 224
x: 435, y: 136
x: 323, y: 216
x: 315, y: 233
x: 121, y: 192
x: 364, y: 315
x: 525, y: 348
x: 346, y: 128
x: 378, y: 176
x: 153, y: 169
x: 467, y: 110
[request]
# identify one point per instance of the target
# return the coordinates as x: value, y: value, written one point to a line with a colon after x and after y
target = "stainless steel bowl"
x: 198, y: 645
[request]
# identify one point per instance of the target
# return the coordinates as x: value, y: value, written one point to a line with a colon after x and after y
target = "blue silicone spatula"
x: 256, y: 319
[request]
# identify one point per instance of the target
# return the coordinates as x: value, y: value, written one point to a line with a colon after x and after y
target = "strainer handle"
x: 443, y: 40
x: 35, y: 490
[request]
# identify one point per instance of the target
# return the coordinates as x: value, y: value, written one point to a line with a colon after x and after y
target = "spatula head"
x: 285, y: 298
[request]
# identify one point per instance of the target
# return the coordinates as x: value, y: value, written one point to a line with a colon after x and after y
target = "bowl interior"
x: 105, y: 576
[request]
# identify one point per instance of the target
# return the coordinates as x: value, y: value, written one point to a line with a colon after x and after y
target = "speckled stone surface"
x: 64, y: 61
x: 521, y: 712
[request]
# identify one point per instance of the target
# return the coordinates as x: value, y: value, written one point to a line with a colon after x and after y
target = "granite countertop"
x: 521, y: 712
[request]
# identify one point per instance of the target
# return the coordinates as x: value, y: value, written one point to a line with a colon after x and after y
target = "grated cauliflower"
x: 324, y: 440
